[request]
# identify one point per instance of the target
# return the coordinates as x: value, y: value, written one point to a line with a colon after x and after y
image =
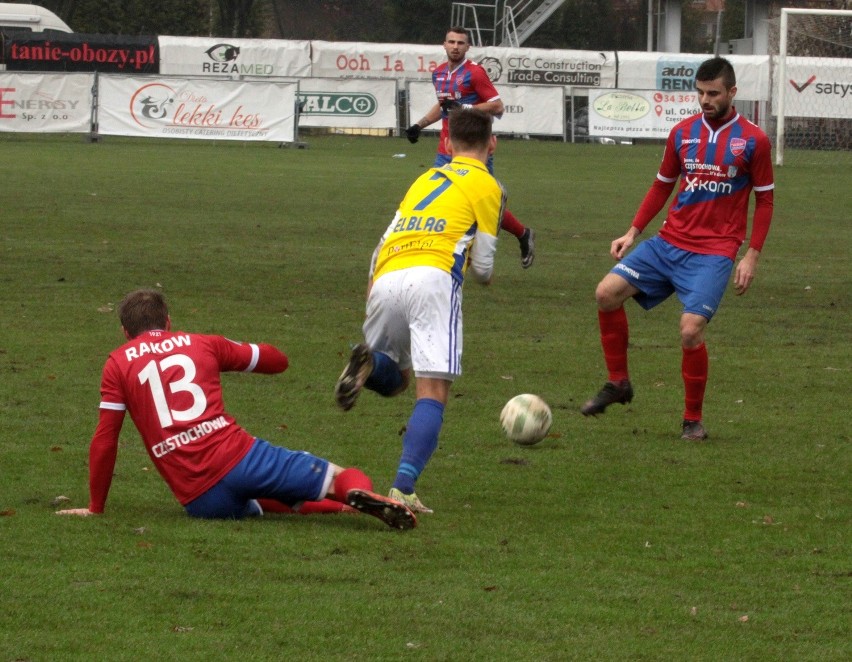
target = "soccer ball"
x: 526, y: 419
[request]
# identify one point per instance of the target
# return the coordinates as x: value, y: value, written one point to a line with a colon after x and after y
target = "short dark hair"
x: 717, y: 67
x: 460, y: 30
x: 143, y: 310
x: 469, y: 127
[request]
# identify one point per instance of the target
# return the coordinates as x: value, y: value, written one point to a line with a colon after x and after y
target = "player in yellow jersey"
x: 444, y: 230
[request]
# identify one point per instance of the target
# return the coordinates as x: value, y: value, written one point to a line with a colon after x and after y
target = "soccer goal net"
x: 811, y: 86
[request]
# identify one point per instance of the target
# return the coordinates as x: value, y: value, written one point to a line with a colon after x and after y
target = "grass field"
x: 610, y: 540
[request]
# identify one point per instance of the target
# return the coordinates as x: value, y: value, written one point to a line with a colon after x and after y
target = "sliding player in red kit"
x: 170, y: 384
x: 720, y: 158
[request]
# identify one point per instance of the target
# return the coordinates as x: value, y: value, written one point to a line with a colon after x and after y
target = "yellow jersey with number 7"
x: 440, y: 218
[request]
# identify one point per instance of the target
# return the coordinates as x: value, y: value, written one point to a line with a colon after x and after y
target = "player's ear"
x: 126, y: 335
x: 450, y: 149
x: 492, y: 144
x: 733, y: 91
x: 168, y: 323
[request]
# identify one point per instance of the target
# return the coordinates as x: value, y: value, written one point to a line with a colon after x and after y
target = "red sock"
x: 614, y: 336
x: 324, y: 507
x: 350, y: 479
x: 694, y: 368
x: 512, y: 225
x: 273, y: 506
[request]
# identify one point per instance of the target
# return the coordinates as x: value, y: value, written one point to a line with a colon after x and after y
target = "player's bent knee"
x: 610, y: 295
x: 692, y: 330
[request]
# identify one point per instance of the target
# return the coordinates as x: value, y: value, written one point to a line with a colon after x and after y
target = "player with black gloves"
x: 461, y: 82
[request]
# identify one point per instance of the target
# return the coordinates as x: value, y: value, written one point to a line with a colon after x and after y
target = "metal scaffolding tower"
x: 506, y: 23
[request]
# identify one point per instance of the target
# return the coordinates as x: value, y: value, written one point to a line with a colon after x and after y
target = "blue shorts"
x: 444, y: 159
x: 658, y: 269
x: 269, y: 472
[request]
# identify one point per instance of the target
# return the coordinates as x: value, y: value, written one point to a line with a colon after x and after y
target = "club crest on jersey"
x: 737, y: 146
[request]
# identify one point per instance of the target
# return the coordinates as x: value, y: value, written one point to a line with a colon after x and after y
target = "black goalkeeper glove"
x: 449, y: 104
x: 413, y: 133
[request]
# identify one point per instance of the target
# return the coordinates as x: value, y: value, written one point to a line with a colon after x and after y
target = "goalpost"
x: 812, y: 88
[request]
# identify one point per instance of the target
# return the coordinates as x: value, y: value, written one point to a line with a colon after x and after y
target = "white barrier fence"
x: 359, y: 85
x: 265, y: 108
x: 226, y: 109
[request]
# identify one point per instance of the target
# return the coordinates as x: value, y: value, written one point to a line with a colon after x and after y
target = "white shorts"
x: 414, y: 316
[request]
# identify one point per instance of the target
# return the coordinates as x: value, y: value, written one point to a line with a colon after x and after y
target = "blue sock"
x: 419, y: 442
x: 386, y: 377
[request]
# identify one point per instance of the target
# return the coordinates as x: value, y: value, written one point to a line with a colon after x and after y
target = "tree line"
x: 578, y: 24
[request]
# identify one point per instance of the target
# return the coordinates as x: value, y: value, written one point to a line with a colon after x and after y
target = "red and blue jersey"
x: 468, y: 84
x: 718, y: 168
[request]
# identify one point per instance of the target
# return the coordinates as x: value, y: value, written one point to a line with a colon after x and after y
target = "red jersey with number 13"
x: 170, y: 384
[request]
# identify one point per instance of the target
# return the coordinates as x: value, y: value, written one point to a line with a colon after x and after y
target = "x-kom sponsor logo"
x: 337, y: 103
x: 697, y: 184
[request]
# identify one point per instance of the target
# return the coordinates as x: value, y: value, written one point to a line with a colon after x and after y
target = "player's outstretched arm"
x: 102, y: 454
x: 261, y: 358
x: 270, y: 360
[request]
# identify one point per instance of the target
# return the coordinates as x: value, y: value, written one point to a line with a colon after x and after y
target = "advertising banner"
x: 196, y: 108
x: 529, y: 109
x: 59, y: 51
x: 536, y: 66
x: 324, y: 102
x: 342, y: 59
x: 638, y: 113
x: 214, y: 56
x: 816, y: 87
x: 518, y: 66
x: 46, y: 103
x: 675, y: 72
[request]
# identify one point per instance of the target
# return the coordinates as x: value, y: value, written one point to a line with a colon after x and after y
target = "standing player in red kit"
x: 720, y: 157
x: 460, y: 82
x: 169, y: 382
